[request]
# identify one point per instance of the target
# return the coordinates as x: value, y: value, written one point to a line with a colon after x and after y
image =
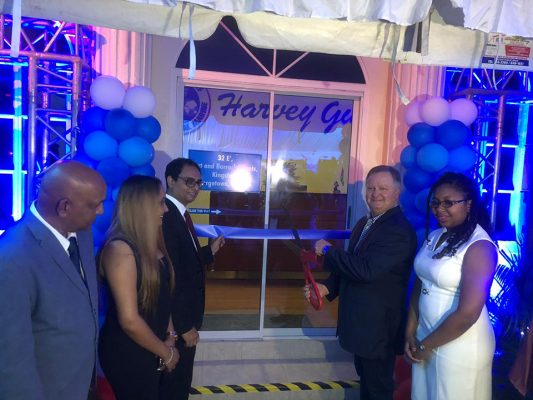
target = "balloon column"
x: 116, y: 138
x: 439, y: 141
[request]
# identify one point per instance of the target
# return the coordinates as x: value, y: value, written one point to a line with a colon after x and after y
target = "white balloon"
x: 463, y: 110
x: 107, y: 92
x: 435, y: 111
x: 140, y: 101
x: 412, y: 113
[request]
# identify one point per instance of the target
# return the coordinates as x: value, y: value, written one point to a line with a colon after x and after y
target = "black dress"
x: 130, y: 369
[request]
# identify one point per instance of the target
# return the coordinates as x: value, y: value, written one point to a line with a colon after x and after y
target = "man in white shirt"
x: 48, y: 293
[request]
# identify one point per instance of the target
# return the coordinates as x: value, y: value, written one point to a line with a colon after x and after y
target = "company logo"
x: 196, y: 108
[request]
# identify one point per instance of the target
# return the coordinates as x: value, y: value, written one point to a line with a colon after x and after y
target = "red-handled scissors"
x: 308, y: 258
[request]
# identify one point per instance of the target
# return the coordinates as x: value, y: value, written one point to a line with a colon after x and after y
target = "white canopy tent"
x: 438, y: 32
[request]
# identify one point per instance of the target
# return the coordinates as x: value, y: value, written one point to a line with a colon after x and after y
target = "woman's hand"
x: 172, y: 359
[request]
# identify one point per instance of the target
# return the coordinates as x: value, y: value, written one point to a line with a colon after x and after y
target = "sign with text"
x: 228, y: 172
x: 507, y: 52
x: 290, y: 113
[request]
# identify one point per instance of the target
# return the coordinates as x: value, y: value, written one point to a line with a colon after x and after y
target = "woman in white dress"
x: 449, y: 337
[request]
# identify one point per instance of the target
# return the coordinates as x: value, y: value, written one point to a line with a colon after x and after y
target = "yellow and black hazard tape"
x: 273, y: 387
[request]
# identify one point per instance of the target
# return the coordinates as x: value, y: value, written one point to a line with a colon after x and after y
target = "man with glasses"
x: 189, y: 259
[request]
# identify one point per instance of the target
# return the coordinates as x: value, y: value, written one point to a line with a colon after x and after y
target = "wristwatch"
x: 421, y: 347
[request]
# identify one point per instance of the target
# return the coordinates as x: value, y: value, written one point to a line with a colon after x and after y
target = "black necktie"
x: 190, y: 225
x: 74, y: 254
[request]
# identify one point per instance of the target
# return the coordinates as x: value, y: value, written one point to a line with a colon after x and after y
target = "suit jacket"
x: 371, y: 282
x: 48, y: 317
x: 188, y: 301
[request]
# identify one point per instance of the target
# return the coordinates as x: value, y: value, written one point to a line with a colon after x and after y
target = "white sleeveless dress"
x: 460, y: 369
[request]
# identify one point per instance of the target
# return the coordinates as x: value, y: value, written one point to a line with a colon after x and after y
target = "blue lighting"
x: 516, y: 210
x: 18, y: 175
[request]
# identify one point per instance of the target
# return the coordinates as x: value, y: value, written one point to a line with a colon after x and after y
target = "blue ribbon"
x: 231, y: 232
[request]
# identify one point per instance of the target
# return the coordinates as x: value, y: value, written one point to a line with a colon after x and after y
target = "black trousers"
x: 377, y: 382
x: 177, y: 384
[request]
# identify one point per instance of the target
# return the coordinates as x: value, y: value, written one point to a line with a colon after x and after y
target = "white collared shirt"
x: 178, y: 204
x: 65, y: 243
x: 182, y: 210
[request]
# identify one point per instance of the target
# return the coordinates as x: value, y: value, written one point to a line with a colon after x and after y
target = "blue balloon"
x: 148, y: 128
x: 421, y: 200
x: 432, y: 157
x: 99, y: 145
x: 102, y: 221
x: 408, y: 157
x: 114, y: 194
x: 147, y: 170
x: 416, y: 179
x: 462, y: 158
x: 421, y: 236
x: 85, y: 159
x: 98, y: 238
x: 136, y: 151
x: 113, y: 170
x: 93, y: 119
x: 120, y: 124
x: 416, y: 219
x: 420, y: 134
x: 407, y: 200
x: 453, y: 134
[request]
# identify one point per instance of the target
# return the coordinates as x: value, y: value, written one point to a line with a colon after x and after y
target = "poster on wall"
x: 228, y: 172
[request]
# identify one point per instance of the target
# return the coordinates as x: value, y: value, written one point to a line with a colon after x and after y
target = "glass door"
x: 226, y: 133
x: 270, y: 161
x: 309, y: 179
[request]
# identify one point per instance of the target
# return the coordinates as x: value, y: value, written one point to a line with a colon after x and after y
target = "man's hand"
x: 319, y: 246
x: 322, y: 290
x: 191, y: 337
x: 170, y: 341
x: 217, y: 244
x: 409, y: 350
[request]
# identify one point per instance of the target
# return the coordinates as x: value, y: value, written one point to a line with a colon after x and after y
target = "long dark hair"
x: 478, y: 213
x: 137, y: 200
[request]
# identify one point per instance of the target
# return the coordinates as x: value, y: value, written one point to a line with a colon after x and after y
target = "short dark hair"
x: 175, y: 167
x: 386, y: 168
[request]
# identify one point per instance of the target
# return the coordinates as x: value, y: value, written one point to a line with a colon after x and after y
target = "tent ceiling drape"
x: 352, y: 27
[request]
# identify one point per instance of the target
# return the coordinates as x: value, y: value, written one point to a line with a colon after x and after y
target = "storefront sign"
x: 291, y: 113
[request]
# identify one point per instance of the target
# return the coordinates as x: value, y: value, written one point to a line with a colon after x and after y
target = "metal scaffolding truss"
x: 494, y: 92
x: 58, y: 57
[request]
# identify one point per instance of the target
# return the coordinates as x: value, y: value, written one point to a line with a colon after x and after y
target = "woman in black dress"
x: 137, y: 338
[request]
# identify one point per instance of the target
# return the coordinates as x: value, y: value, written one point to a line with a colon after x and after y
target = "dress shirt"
x: 64, y: 241
x: 182, y: 210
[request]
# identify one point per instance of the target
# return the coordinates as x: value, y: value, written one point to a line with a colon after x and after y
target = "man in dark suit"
x: 370, y: 280
x: 48, y: 294
x: 184, y: 180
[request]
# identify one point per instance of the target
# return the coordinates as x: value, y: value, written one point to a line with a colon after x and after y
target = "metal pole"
x: 497, y: 158
x: 32, y: 121
x: 75, y: 106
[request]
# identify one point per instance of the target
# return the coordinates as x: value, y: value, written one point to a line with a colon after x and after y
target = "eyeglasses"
x: 445, y: 203
x: 191, y: 182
